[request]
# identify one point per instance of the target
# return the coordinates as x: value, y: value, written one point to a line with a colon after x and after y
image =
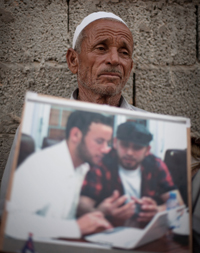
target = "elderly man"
x: 132, y: 170
x: 101, y: 58
x: 52, y: 179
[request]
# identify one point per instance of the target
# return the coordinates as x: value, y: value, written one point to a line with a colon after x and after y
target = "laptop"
x: 128, y: 238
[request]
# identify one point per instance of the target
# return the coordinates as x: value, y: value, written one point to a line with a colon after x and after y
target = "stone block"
x: 164, y: 34
x: 34, y: 31
x: 50, y: 79
x: 173, y: 91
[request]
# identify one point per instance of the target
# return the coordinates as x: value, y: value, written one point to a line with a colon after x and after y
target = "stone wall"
x: 35, y: 36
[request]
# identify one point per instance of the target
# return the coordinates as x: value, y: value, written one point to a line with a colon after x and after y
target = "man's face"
x: 105, y: 61
x: 130, y: 155
x: 94, y: 145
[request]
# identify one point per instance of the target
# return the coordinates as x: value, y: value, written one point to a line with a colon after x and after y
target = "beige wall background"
x: 35, y: 36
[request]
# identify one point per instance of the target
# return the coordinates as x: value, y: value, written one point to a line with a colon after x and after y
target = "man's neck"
x: 137, y: 166
x: 132, y: 170
x: 88, y: 96
x: 74, y: 156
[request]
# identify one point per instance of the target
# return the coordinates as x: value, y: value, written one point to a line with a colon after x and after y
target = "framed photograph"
x: 98, y: 178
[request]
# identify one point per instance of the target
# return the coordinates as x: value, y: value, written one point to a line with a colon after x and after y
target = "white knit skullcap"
x: 90, y: 18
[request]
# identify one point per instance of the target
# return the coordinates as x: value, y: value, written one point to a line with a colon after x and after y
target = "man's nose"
x: 130, y: 151
x: 105, y: 149
x: 113, y: 57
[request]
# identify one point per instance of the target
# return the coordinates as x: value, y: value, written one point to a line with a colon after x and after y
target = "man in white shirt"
x: 46, y: 186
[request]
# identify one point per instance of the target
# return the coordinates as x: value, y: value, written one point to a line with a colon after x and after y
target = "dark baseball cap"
x: 134, y: 132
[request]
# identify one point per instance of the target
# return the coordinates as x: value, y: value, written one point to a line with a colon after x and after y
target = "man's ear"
x: 72, y: 60
x: 75, y: 135
x: 148, y: 150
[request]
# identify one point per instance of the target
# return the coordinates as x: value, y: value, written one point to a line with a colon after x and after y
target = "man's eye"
x: 138, y: 147
x: 124, y: 144
x: 99, y: 141
x: 101, y: 48
x: 125, y: 53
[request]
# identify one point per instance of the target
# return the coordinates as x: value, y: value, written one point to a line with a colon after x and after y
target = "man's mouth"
x: 111, y: 74
x: 128, y: 160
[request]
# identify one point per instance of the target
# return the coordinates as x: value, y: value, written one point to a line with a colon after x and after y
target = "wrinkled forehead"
x: 108, y: 27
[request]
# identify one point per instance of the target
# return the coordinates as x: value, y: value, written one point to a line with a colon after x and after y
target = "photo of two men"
x: 85, y: 172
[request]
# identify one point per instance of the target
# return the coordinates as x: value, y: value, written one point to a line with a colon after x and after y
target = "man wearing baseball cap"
x: 129, y: 174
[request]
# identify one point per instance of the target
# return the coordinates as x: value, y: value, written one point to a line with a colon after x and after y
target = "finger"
x: 96, y: 214
x: 150, y: 208
x: 146, y: 216
x: 119, y: 201
x: 90, y: 223
x: 127, y: 209
x: 113, y: 197
x: 147, y: 200
x: 101, y: 222
x: 136, y: 200
x: 125, y: 215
